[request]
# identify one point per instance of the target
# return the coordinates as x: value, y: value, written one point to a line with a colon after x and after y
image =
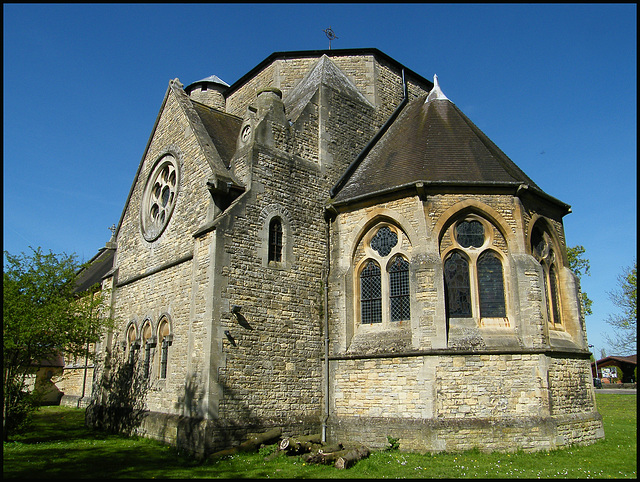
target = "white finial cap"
x: 436, y: 93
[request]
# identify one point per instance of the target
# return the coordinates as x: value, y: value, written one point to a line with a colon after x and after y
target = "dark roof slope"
x: 95, y: 270
x: 431, y: 142
x: 223, y: 129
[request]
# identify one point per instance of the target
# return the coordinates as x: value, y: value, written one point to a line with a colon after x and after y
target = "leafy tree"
x: 623, y: 338
x: 580, y: 266
x: 43, y: 317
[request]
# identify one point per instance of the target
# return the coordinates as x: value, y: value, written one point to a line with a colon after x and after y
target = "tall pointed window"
x: 275, y: 240
x: 474, y: 273
x: 491, y: 286
x: 541, y: 248
x: 371, y: 293
x: 399, y: 289
x: 385, y: 295
x: 457, y: 287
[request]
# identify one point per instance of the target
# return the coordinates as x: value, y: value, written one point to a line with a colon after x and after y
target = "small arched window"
x: 132, y: 343
x: 275, y: 240
x: 371, y: 293
x: 148, y: 342
x: 165, y: 339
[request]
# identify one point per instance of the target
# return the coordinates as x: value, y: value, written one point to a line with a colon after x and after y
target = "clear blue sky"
x: 554, y: 86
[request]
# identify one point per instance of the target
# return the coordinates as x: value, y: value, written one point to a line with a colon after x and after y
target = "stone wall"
x: 459, y: 402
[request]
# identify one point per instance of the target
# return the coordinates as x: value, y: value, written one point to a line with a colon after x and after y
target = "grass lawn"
x: 59, y: 445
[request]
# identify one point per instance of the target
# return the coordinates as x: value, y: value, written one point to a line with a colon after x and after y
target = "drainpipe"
x: 325, y: 321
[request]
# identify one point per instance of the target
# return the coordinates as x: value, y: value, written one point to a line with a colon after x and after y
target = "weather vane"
x: 330, y: 35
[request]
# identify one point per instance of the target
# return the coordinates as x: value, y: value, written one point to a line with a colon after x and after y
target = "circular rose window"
x: 159, y: 197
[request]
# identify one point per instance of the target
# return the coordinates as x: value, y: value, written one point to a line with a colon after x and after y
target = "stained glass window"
x: 555, y: 296
x: 457, y: 288
x: 491, y: 286
x: 275, y: 240
x: 384, y: 241
x: 371, y: 293
x: 470, y: 233
x: 399, y: 289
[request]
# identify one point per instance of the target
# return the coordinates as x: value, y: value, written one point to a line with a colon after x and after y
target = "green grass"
x: 59, y: 445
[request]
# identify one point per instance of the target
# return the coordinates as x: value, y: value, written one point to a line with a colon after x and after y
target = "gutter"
x: 345, y: 176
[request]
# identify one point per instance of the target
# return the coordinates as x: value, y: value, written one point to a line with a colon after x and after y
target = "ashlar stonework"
x: 330, y: 245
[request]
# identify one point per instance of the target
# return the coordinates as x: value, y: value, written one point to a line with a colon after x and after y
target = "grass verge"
x: 58, y: 445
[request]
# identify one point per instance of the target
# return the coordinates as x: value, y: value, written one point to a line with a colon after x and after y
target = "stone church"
x: 330, y: 245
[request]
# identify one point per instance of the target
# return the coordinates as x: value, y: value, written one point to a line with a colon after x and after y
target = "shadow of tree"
x: 118, y: 404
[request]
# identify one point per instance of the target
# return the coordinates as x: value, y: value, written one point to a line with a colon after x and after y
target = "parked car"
x: 597, y: 383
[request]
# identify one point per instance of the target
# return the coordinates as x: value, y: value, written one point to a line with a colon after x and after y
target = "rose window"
x: 159, y: 198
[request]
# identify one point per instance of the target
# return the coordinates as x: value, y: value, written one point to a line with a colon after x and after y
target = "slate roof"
x: 222, y: 128
x: 432, y: 142
x: 95, y: 270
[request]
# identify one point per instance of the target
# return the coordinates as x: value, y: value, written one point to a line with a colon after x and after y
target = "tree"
x: 623, y: 338
x: 43, y: 317
x: 580, y: 266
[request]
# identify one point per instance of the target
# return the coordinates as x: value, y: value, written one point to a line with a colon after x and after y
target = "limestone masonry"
x: 330, y: 245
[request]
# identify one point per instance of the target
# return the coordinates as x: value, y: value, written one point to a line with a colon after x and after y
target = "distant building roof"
x: 631, y: 359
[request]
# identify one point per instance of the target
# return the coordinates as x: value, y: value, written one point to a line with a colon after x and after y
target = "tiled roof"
x: 431, y: 142
x: 95, y: 270
x: 222, y: 128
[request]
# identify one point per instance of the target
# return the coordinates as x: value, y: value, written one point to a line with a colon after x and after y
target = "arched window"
x: 491, y: 286
x: 554, y: 295
x: 541, y: 248
x: 164, y: 338
x: 473, y: 273
x: 148, y: 342
x: 371, y: 293
x: 399, y: 289
x: 275, y: 240
x: 385, y: 298
x: 131, y: 343
x: 457, y: 287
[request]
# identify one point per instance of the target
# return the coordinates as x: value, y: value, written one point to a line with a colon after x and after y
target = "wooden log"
x: 300, y: 445
x: 351, y: 457
x: 325, y: 458
x: 250, y: 445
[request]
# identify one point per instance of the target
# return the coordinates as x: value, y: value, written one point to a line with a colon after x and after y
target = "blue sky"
x: 554, y: 86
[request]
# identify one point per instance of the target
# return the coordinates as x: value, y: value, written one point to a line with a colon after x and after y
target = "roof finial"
x: 330, y: 35
x: 436, y: 93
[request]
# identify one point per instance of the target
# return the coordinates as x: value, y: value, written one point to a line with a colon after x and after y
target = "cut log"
x: 294, y: 446
x: 351, y: 457
x: 252, y: 444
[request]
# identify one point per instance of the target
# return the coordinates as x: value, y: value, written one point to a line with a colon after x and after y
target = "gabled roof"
x: 632, y: 359
x: 324, y: 72
x: 431, y: 142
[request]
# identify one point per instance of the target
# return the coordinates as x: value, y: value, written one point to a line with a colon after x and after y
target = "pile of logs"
x: 310, y: 449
